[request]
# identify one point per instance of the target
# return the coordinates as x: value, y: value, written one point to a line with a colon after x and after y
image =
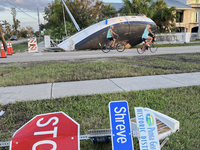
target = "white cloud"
x: 28, y: 6
x: 2, y: 8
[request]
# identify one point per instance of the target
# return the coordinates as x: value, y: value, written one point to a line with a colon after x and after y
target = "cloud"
x: 2, y: 8
x: 25, y: 5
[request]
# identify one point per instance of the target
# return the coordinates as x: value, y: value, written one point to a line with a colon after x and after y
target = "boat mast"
x: 64, y: 21
x: 74, y: 21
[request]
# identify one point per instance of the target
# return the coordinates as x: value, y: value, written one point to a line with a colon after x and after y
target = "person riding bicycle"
x: 146, y: 36
x: 110, y: 36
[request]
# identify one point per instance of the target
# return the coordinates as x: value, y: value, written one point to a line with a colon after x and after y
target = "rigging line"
x: 18, y: 8
x: 77, y: 14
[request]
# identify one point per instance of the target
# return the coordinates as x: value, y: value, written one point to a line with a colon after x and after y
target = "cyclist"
x: 146, y: 36
x: 110, y: 36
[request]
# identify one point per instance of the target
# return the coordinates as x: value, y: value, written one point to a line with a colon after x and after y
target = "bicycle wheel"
x: 106, y: 48
x: 139, y: 49
x: 153, y: 48
x: 120, y: 47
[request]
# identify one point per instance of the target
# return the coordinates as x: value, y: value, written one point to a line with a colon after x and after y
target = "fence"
x: 193, y: 36
x: 176, y: 37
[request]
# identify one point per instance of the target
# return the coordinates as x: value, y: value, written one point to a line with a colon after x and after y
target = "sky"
x: 29, y: 16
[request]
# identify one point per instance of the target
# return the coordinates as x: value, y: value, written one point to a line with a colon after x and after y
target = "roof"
x: 177, y: 4
x: 170, y: 3
x: 116, y: 5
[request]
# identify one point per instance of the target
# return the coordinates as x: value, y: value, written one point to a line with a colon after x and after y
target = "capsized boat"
x: 129, y: 29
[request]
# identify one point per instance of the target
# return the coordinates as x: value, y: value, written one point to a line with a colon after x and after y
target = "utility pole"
x: 38, y: 21
x: 198, y: 33
x: 3, y: 40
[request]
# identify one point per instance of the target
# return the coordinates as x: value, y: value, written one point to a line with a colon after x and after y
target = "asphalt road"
x: 45, y: 56
x: 19, y: 41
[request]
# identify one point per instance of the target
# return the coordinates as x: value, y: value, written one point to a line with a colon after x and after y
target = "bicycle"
x: 153, y: 46
x: 120, y: 47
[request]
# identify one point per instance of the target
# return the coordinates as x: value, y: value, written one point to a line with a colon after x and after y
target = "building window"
x: 195, y: 17
x: 195, y: 1
x: 179, y: 16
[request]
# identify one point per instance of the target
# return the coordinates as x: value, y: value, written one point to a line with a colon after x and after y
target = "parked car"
x: 13, y: 38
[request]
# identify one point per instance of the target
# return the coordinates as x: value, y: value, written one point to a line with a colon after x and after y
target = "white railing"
x: 176, y: 37
x: 193, y: 36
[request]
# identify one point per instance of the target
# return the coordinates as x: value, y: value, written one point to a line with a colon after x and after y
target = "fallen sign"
x: 120, y: 125
x: 55, y: 131
x: 148, y: 133
x: 165, y: 124
x: 58, y: 131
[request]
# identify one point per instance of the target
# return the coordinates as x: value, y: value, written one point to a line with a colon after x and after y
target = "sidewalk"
x: 63, y: 89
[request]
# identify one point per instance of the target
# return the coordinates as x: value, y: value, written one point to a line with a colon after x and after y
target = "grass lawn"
x: 90, y: 69
x: 20, y: 47
x: 91, y: 112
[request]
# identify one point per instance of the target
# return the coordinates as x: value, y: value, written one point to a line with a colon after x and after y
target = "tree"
x: 13, y: 12
x: 8, y: 29
x: 159, y: 4
x: 109, y: 11
x: 85, y: 12
x: 165, y: 19
x: 17, y: 23
x: 30, y: 30
x: 23, y: 32
x: 136, y: 7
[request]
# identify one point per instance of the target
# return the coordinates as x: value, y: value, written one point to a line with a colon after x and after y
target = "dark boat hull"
x: 128, y: 31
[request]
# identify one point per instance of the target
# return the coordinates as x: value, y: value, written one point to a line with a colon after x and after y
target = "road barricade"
x: 32, y: 45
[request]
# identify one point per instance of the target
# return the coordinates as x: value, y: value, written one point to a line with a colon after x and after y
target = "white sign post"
x: 148, y: 133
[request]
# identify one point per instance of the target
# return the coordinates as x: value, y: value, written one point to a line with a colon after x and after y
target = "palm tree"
x: 18, y: 23
x: 164, y: 19
x: 136, y: 7
x: 158, y: 4
x: 8, y: 29
x: 5, y: 23
x: 109, y: 11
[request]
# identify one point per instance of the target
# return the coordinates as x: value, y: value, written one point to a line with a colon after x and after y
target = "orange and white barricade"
x: 32, y: 45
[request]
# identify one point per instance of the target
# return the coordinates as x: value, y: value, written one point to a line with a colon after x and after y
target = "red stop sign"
x: 54, y: 131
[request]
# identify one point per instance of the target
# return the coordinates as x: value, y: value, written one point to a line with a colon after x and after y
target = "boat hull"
x: 129, y: 29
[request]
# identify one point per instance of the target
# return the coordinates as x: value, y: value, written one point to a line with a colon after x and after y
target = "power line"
x: 19, y: 9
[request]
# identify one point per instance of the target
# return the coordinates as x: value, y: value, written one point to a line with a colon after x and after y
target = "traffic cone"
x: 11, y: 49
x: 3, y: 54
x: 8, y: 49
